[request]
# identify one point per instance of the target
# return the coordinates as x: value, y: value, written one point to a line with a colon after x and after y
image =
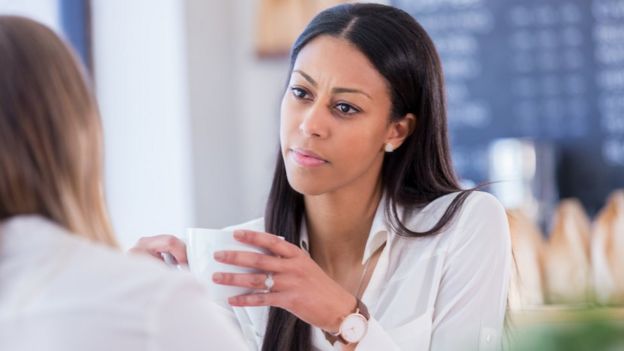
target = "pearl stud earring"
x: 389, y: 147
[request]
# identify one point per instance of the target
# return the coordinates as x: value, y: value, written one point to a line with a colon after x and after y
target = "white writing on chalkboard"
x: 608, y: 9
x: 455, y: 26
x: 613, y: 122
x: 458, y: 44
x: 462, y: 68
x: 548, y: 61
x: 544, y: 14
x: 474, y: 21
x: 609, y: 33
x: 550, y: 71
x: 611, y: 79
x: 473, y: 114
x: 435, y: 5
x: 613, y: 151
x: 609, y: 54
x: 611, y: 102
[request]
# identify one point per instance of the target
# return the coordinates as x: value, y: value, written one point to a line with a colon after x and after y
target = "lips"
x: 306, y: 158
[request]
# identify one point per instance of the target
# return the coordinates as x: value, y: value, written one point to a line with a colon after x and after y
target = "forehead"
x: 335, y: 61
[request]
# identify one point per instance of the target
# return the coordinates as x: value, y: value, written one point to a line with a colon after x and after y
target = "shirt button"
x: 488, y: 340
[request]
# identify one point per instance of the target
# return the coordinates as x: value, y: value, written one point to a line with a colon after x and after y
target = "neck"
x: 338, y: 226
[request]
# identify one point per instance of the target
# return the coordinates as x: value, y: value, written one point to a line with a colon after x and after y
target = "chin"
x: 308, y: 186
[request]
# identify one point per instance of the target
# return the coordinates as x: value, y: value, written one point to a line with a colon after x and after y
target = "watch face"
x: 353, y: 328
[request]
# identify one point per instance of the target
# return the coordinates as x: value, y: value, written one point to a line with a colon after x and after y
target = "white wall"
x: 234, y: 99
x: 140, y: 74
x: 215, y: 106
x: 260, y: 85
x: 44, y: 11
x: 190, y: 115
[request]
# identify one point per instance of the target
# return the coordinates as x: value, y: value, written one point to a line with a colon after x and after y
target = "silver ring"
x: 268, y: 282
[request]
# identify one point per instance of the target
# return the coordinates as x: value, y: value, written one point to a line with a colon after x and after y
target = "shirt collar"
x: 377, y: 236
x: 30, y: 234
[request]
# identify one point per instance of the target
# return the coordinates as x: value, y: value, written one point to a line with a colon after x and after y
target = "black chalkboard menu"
x: 548, y: 70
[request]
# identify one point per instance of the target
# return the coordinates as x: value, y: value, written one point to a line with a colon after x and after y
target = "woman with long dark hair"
x: 383, y: 249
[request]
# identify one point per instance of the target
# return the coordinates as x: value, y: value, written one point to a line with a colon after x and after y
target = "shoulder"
x: 480, y: 216
x: 137, y: 279
x: 481, y: 221
x: 482, y: 203
x: 101, y: 280
x: 477, y: 203
x: 482, y: 207
x: 172, y: 307
x: 255, y: 225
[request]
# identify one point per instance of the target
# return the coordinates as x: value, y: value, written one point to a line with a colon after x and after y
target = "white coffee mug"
x: 201, y: 244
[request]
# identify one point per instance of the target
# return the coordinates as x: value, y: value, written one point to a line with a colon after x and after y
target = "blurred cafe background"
x: 189, y: 93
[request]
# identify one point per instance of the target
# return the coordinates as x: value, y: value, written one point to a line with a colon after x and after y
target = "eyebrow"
x: 336, y: 90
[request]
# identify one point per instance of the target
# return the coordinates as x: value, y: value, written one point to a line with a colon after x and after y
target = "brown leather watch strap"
x: 360, y: 308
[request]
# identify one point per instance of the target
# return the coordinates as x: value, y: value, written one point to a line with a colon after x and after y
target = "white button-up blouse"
x: 442, y: 292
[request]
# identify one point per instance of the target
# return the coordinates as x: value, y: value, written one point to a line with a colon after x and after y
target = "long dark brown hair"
x: 50, y: 133
x: 412, y: 176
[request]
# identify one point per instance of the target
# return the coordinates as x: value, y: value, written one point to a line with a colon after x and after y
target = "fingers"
x: 273, y: 243
x: 262, y: 299
x: 250, y: 260
x: 245, y: 280
x: 154, y: 245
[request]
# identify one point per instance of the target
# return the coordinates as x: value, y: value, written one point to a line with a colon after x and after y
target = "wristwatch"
x: 353, y: 327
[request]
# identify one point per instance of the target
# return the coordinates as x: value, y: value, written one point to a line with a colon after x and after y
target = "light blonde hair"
x: 50, y: 133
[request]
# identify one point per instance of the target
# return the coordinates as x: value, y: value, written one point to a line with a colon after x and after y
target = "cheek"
x: 358, y: 148
x: 365, y: 141
x: 286, y: 121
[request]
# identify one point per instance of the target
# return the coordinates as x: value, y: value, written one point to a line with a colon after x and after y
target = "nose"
x: 315, y: 123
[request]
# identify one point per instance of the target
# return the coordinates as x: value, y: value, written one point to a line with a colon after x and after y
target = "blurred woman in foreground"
x: 63, y: 283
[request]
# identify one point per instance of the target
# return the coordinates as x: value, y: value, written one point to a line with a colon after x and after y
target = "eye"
x: 299, y: 93
x: 346, y: 109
